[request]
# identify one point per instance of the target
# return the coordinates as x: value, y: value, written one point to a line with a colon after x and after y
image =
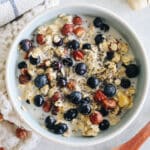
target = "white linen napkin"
x: 11, y: 9
x: 9, y: 120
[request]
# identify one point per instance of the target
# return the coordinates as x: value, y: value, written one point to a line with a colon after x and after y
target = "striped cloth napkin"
x: 11, y: 9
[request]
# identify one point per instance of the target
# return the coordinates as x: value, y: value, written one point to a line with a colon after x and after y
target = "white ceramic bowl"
x: 127, y: 33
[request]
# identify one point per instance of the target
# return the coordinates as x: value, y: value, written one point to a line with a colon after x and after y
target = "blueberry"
x: 104, y: 125
x: 104, y: 27
x: 60, y: 128
x: 104, y: 112
x: 110, y: 55
x: 67, y: 62
x: 81, y: 69
x: 50, y: 122
x: 22, y: 65
x: 28, y: 101
x: 71, y: 114
x: 109, y: 90
x: 84, y: 109
x: 86, y: 46
x: 93, y: 82
x: 62, y: 81
x: 74, y: 44
x: 34, y: 61
x: 40, y: 81
x: 97, y: 22
x: 25, y: 45
x: 132, y: 70
x: 125, y: 83
x: 38, y: 100
x: 75, y: 97
x: 57, y: 40
x: 56, y: 65
x: 85, y: 100
x: 99, y: 39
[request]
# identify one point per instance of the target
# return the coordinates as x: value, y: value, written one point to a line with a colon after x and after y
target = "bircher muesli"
x: 77, y: 75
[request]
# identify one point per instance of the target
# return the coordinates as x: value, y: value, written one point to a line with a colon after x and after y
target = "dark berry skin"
x: 104, y: 27
x: 110, y: 55
x: 104, y: 125
x: 50, y: 122
x: 85, y: 100
x: 74, y: 44
x: 40, y: 81
x: 67, y: 62
x: 58, y: 41
x: 132, y: 70
x: 80, y: 68
x: 93, y: 82
x: 56, y: 65
x: 70, y: 114
x: 125, y: 83
x: 84, y: 109
x: 103, y: 111
x: 75, y: 97
x: 109, y: 90
x: 26, y: 45
x: 97, y: 22
x: 60, y: 128
x: 38, y: 100
x: 22, y: 65
x: 62, y: 81
x: 34, y: 61
x: 86, y: 46
x: 28, y: 101
x: 99, y: 39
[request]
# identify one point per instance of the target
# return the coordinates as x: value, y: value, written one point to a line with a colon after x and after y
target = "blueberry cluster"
x: 57, y: 128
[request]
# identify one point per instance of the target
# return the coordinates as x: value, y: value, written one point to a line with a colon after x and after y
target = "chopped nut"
x: 96, y: 117
x: 79, y: 31
x: 24, y: 71
x: 47, y: 106
x: 1, y: 117
x: 71, y: 84
x: 23, y: 79
x: 21, y: 133
x: 47, y: 63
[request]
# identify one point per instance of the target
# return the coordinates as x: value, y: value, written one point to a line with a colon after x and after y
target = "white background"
x: 140, y: 22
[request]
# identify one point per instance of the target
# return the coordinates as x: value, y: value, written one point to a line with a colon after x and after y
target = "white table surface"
x: 140, y: 21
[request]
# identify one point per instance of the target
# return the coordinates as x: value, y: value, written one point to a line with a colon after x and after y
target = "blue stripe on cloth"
x: 3, y: 1
x: 13, y: 4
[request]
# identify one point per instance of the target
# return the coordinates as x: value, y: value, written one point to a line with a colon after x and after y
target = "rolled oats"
x: 72, y: 53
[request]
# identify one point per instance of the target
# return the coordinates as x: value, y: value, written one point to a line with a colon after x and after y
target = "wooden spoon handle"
x: 136, y: 142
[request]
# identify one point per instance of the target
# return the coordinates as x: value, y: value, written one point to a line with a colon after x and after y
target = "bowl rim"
x: 130, y: 119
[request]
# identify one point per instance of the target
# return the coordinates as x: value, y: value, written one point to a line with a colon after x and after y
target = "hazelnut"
x: 21, y: 133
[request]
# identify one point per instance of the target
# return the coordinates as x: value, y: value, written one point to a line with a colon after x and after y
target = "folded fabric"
x: 10, y: 9
x: 139, y: 4
x: 10, y: 137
